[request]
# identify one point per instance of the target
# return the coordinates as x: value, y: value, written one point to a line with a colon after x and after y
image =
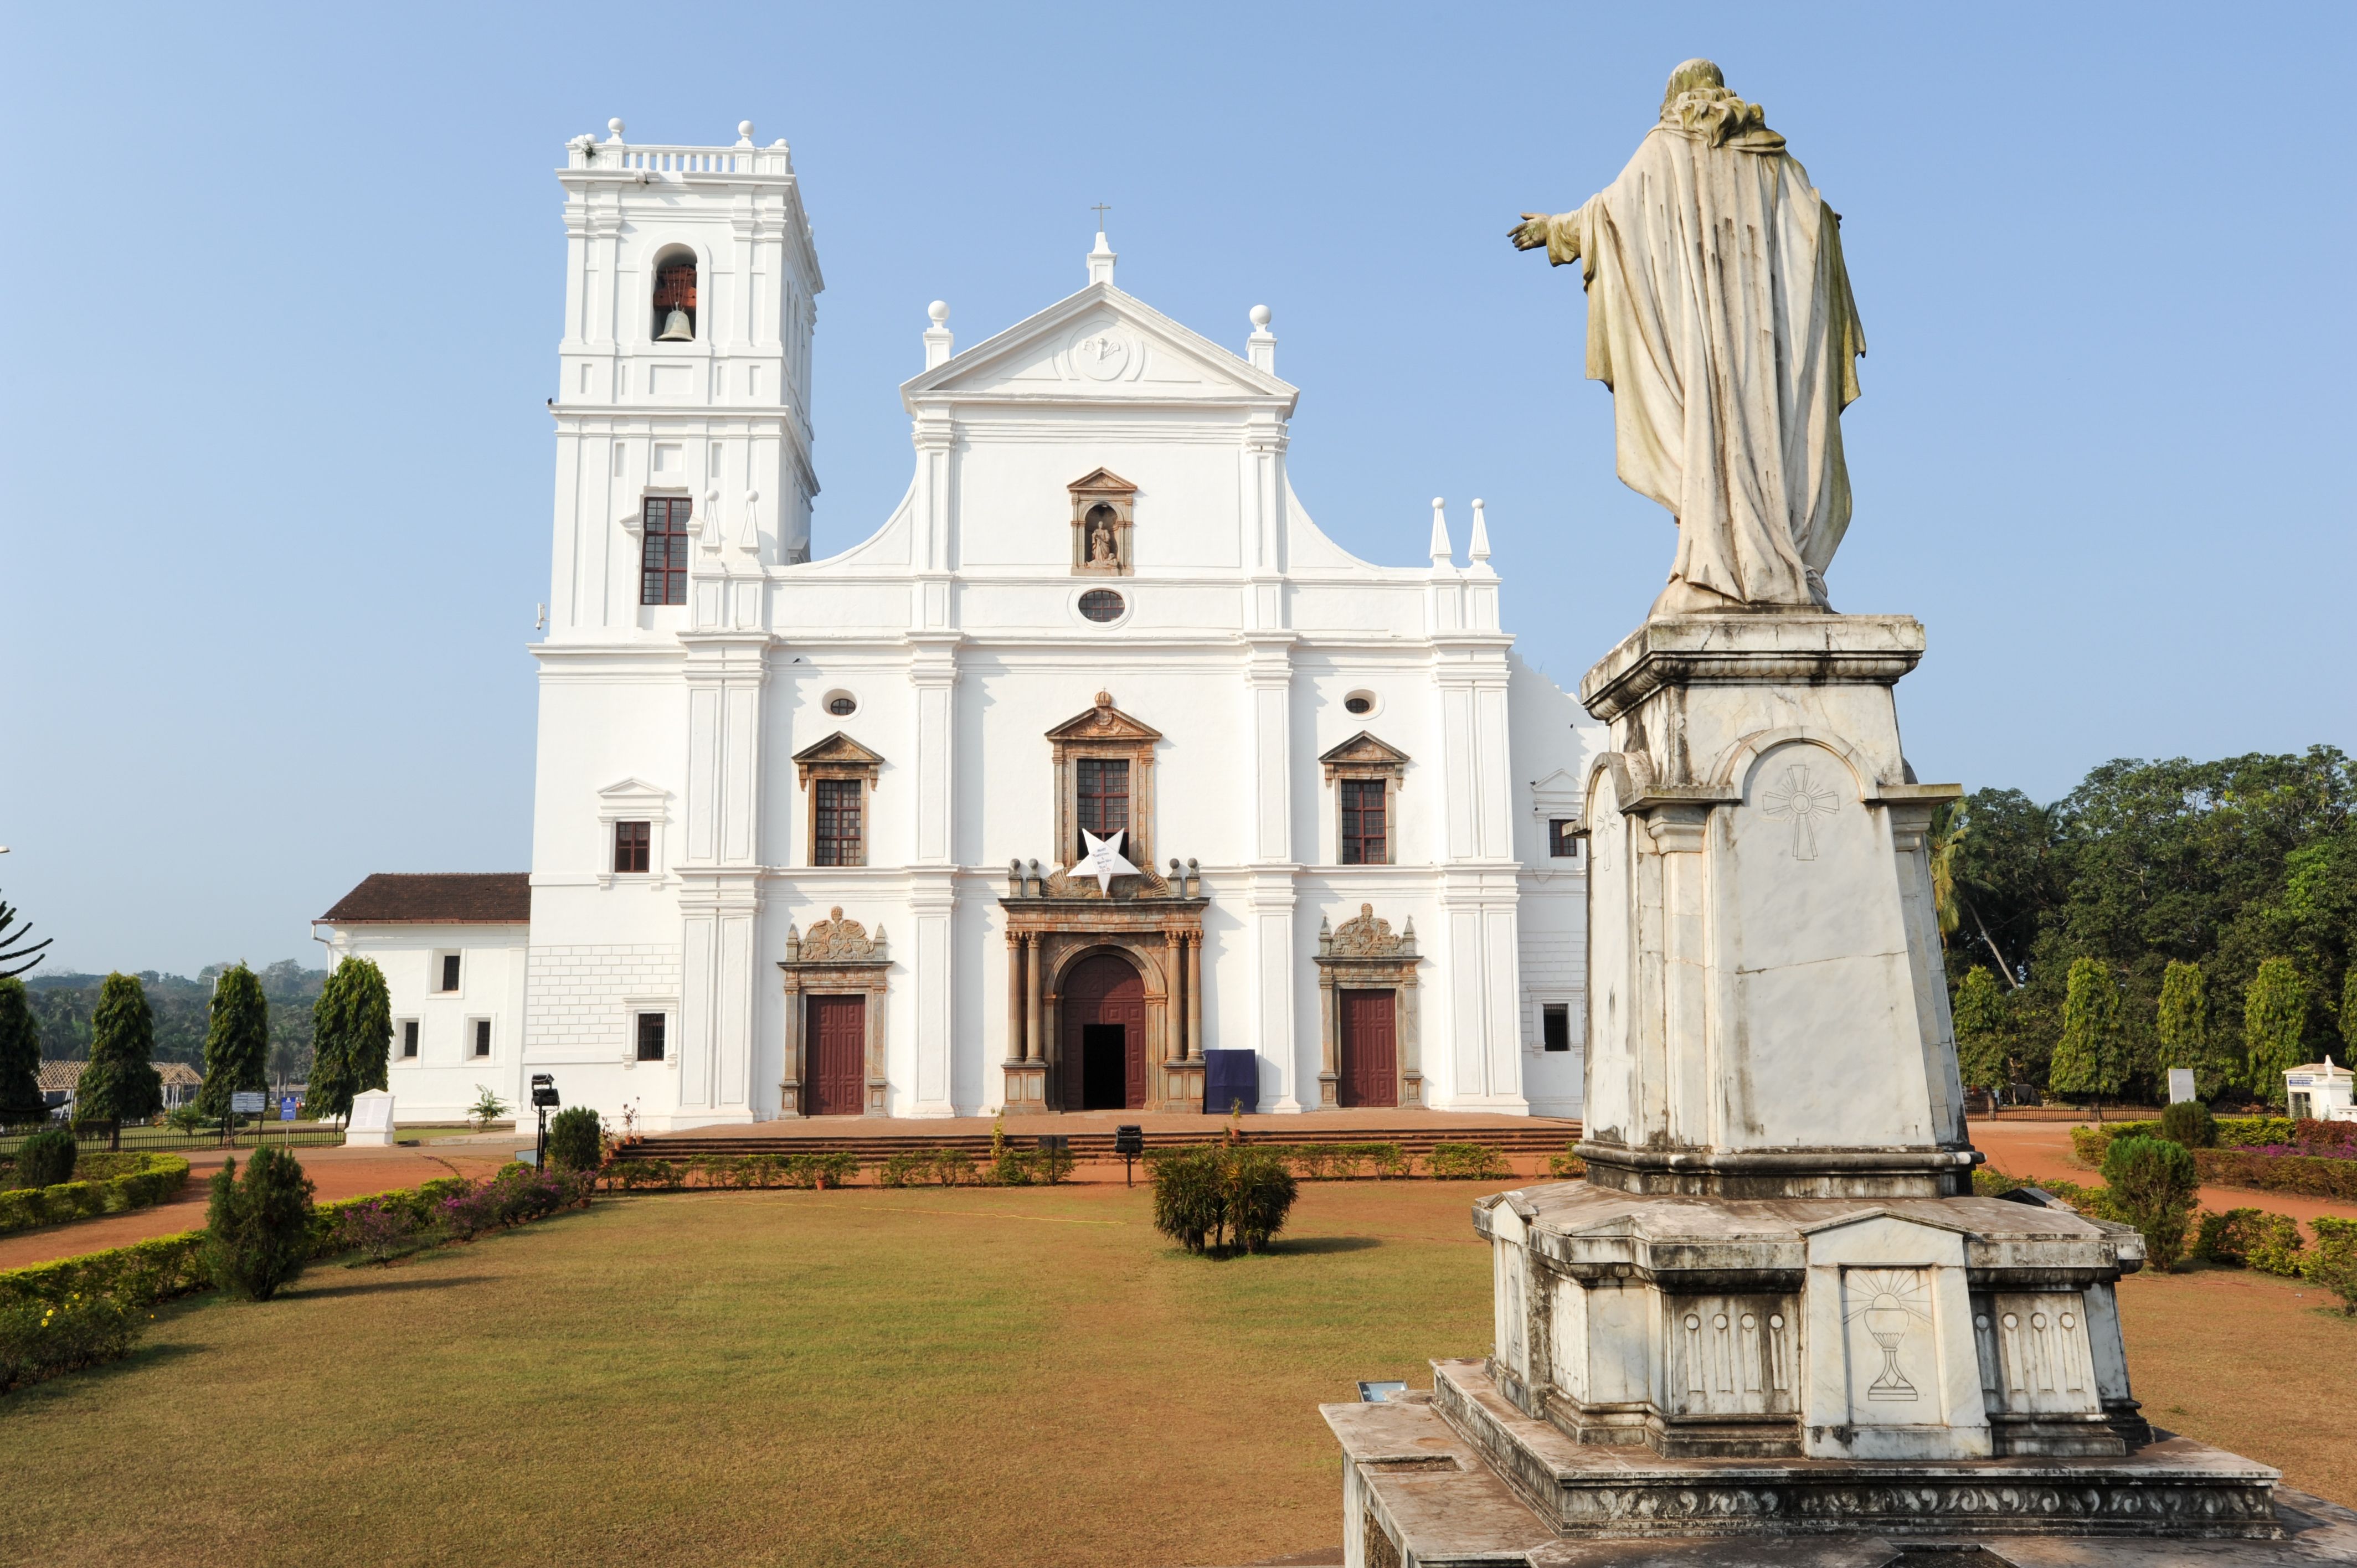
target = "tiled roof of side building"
x: 438, y: 897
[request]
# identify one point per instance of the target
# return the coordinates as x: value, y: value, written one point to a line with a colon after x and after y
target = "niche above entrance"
x: 1104, y: 506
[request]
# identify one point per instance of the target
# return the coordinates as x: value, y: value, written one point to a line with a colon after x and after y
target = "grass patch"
x: 879, y: 1378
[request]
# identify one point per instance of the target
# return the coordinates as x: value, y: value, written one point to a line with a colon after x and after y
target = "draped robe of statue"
x: 1719, y: 314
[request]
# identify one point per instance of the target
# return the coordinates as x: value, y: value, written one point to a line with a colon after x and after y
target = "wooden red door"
x: 1369, y: 1047
x: 837, y: 1043
x: 1104, y: 993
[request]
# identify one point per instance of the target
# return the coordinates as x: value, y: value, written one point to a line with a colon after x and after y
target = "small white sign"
x: 371, y: 1119
x: 2181, y: 1084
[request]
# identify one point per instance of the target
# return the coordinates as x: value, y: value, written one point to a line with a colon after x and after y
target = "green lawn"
x: 920, y: 1377
x: 868, y: 1377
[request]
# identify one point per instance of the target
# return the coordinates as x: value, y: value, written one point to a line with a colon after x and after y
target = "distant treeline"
x: 62, y: 1004
x: 2225, y: 865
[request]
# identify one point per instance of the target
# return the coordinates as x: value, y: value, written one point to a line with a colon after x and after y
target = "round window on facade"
x: 1102, y: 605
x: 842, y: 704
x: 1359, y: 704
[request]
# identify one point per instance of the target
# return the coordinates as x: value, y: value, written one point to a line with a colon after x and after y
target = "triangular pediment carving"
x: 1099, y: 342
x: 1364, y: 752
x: 1102, y: 482
x: 633, y: 790
x: 1104, y: 722
x: 837, y: 753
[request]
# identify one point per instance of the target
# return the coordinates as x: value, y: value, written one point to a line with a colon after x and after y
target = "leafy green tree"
x: 237, y: 1044
x: 1981, y: 1030
x: 2089, y: 1060
x: 351, y: 1036
x: 1994, y: 879
x: 2349, y: 1014
x: 20, y: 1057
x: 2274, y: 1016
x: 2187, y: 1039
x: 121, y: 1083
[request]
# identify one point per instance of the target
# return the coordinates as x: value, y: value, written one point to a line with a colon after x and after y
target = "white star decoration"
x: 1103, y: 860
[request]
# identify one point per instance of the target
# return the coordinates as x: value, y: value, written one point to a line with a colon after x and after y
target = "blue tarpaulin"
x: 1230, y: 1077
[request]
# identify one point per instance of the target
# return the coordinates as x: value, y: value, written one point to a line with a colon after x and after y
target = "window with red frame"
x: 663, y: 561
x: 835, y: 837
x: 634, y: 845
x: 1102, y: 785
x: 1364, y: 841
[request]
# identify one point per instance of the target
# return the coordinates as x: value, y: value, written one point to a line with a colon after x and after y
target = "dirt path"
x: 2042, y: 1151
x: 335, y: 1173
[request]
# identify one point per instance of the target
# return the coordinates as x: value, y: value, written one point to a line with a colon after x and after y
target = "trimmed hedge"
x: 151, y: 1180
x: 741, y: 1170
x: 2233, y: 1132
x: 1465, y: 1162
x: 2309, y: 1175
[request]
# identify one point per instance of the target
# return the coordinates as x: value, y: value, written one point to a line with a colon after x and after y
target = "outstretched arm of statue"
x: 1559, y: 234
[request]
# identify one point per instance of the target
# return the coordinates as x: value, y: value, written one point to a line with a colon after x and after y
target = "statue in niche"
x: 1103, y: 549
x: 1711, y: 246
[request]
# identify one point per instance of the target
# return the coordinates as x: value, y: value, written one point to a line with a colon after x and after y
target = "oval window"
x: 843, y: 705
x: 1102, y: 605
x: 1358, y: 706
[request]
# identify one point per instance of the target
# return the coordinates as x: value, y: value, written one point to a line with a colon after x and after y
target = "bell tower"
x: 683, y: 463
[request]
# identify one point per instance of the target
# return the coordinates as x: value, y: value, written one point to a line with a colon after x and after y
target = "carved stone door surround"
x: 837, y: 958
x: 1363, y: 954
x: 1049, y: 933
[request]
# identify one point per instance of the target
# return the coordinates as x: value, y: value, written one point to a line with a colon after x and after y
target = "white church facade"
x: 809, y: 836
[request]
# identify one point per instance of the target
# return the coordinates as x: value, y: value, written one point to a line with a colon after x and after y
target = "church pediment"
x: 837, y: 753
x: 1099, y: 342
x: 1103, y: 723
x: 1364, y: 753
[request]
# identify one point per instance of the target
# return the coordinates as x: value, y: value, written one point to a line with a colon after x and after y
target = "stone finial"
x: 1100, y: 261
x: 1325, y: 934
x: 614, y: 131
x: 743, y: 133
x: 1194, y: 878
x: 793, y: 942
x: 1015, y: 876
x: 1479, y: 550
x: 1441, y: 547
x: 1261, y: 349
x: 1407, y: 936
x: 937, y: 335
x: 1105, y: 699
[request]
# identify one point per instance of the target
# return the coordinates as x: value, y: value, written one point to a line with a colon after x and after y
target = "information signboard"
x: 246, y: 1102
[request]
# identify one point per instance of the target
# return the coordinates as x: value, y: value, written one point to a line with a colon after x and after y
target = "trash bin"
x: 1230, y: 1077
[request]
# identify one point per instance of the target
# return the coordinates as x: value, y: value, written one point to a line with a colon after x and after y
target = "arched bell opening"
x: 674, y: 311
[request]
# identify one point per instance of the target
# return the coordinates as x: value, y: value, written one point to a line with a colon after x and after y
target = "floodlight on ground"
x: 1129, y: 1141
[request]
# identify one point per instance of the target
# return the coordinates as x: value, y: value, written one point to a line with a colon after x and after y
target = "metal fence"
x: 250, y: 1134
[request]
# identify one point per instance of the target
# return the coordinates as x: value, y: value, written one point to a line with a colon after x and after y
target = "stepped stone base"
x: 1460, y: 1476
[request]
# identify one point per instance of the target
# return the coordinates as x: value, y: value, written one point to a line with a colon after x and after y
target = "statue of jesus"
x: 1720, y: 315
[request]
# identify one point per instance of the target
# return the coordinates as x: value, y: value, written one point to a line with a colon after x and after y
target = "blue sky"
x: 287, y: 289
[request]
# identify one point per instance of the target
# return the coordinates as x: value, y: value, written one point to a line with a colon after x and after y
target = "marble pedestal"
x: 1774, y: 1308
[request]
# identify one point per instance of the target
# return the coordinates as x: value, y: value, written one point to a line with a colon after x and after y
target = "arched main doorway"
x: 1104, y: 1015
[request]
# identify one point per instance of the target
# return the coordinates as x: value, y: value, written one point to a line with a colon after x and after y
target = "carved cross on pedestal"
x: 1796, y: 801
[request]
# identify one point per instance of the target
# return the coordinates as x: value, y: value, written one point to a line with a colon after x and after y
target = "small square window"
x: 633, y: 846
x: 650, y: 1037
x: 1563, y: 838
x: 449, y: 971
x: 482, y: 1037
x: 409, y: 1040
x: 1555, y: 1026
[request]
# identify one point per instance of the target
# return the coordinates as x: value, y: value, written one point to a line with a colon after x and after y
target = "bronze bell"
x: 676, y: 328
